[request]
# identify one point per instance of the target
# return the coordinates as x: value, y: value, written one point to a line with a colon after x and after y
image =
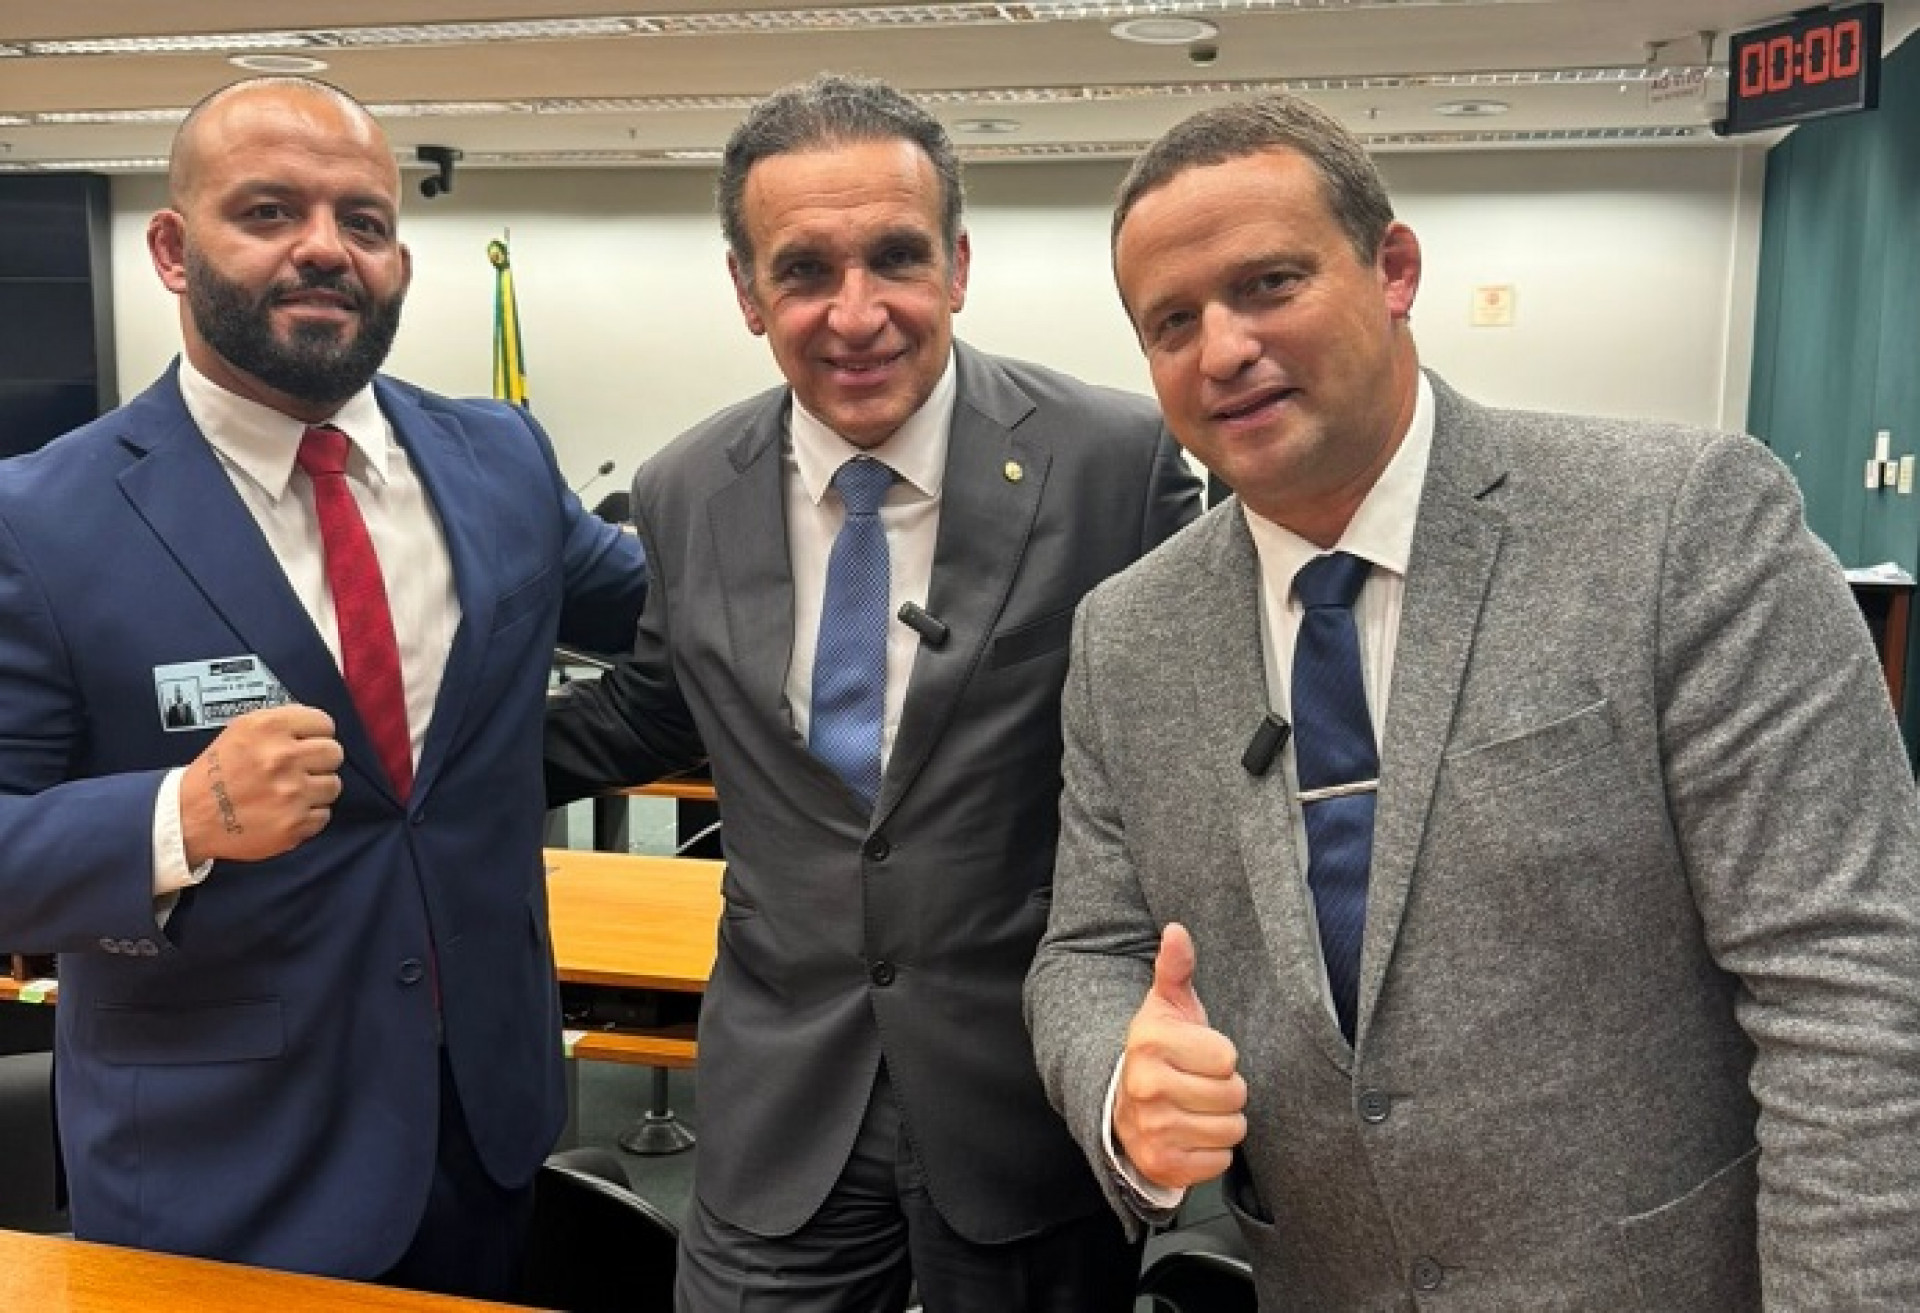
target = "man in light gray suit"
x: 869, y: 1108
x: 1632, y: 1016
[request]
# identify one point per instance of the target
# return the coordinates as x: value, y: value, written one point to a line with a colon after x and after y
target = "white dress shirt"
x: 910, y: 515
x: 257, y: 447
x: 1381, y: 532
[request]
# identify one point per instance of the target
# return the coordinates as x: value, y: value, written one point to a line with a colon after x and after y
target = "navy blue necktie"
x: 850, y: 660
x: 1339, y: 768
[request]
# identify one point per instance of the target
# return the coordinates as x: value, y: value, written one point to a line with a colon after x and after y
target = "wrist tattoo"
x: 216, y: 783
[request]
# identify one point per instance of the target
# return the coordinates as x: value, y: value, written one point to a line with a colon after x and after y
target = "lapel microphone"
x: 933, y: 632
x: 1265, y: 744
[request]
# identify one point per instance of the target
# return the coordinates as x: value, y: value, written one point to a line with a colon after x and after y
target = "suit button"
x: 876, y: 848
x: 419, y: 817
x: 1427, y: 1274
x: 1374, y: 1106
x: 881, y: 974
x: 412, y: 971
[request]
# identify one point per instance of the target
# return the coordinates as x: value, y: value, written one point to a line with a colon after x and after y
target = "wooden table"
x: 631, y: 922
x: 51, y: 1274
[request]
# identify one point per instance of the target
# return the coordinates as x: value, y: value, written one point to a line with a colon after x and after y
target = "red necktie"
x: 369, y: 656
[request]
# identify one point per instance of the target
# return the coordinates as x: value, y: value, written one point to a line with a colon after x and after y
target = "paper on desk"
x: 1884, y: 573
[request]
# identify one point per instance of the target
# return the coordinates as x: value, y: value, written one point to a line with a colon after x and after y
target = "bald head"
x: 211, y: 125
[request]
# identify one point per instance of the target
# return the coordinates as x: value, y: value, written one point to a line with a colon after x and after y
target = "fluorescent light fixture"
x: 272, y: 63
x: 1164, y: 31
x: 107, y: 117
x: 196, y: 43
x: 1152, y: 14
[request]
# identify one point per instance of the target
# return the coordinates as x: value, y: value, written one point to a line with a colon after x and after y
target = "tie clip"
x: 1338, y: 791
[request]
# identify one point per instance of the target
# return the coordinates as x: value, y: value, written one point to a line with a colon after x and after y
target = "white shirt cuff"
x: 171, y: 873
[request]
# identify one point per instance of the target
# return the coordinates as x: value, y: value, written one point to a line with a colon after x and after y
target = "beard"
x: 322, y: 364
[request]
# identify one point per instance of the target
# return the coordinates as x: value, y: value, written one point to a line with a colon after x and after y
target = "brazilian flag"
x: 509, y: 364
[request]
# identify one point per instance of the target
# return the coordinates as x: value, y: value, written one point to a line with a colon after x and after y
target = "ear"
x: 167, y: 244
x: 743, y: 293
x: 962, y: 262
x: 1399, y: 267
x: 406, y: 267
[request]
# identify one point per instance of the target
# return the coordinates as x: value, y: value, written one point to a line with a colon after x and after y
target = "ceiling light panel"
x: 966, y: 13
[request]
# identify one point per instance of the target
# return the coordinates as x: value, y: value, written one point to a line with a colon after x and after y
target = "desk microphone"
x: 1265, y: 744
x: 606, y: 468
x: 933, y: 632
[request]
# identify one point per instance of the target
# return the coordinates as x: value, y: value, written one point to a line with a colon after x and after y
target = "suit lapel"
x: 747, y: 520
x: 1455, y: 546
x: 995, y: 476
x: 184, y: 494
x: 443, y: 459
x: 1230, y: 693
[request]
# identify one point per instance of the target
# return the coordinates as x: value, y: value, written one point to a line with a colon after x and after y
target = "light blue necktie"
x: 850, y: 660
x: 1333, y: 748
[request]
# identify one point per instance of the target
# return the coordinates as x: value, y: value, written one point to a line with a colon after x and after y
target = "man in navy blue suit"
x: 307, y: 1010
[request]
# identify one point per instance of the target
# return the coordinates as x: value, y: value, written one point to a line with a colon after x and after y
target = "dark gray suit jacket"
x: 903, y: 935
x: 1639, y: 1016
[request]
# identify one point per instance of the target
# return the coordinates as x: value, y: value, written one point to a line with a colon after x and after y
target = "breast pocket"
x: 524, y: 600
x: 1535, y: 752
x: 1031, y: 640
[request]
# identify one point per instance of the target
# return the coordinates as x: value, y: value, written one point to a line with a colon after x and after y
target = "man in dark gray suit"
x: 1630, y: 1014
x: 869, y: 1109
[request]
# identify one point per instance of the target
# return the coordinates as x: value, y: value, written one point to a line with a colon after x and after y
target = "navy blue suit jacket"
x: 259, y: 1080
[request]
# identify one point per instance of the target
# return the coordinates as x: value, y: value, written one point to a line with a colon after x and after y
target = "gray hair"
x: 1354, y: 190
x: 831, y: 110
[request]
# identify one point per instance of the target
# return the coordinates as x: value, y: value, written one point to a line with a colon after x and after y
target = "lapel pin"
x: 1013, y: 471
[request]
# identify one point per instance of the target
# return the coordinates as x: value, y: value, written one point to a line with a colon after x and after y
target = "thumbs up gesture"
x: 1180, y: 1107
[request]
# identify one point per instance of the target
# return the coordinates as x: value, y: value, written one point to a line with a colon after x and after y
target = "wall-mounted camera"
x: 442, y: 158
x: 1203, y: 54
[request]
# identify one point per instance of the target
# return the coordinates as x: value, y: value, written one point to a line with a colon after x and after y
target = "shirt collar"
x: 261, y: 442
x: 917, y: 451
x: 1381, y: 530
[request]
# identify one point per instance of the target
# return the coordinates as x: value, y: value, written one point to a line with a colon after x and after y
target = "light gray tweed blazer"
x: 1639, y: 1018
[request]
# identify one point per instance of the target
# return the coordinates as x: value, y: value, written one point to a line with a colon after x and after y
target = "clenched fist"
x: 264, y: 786
x: 1180, y: 1107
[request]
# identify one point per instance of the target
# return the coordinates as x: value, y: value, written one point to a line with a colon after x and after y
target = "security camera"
x: 1202, y: 54
x: 442, y: 158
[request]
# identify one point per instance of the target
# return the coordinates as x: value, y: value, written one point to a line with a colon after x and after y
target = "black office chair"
x: 1198, y: 1281
x: 1200, y: 1266
x: 595, y: 1246
x: 27, y: 1152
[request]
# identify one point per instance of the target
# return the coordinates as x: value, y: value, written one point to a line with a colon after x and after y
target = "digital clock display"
x: 1820, y: 63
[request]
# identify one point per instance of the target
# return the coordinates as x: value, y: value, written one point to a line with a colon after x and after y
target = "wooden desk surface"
x: 27, y: 991
x: 684, y: 790
x: 633, y: 922
x: 50, y: 1274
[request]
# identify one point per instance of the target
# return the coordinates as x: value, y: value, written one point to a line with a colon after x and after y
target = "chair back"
x: 1199, y: 1281
x: 595, y: 1246
x: 29, y: 1171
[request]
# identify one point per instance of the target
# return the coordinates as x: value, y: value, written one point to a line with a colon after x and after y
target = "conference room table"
x: 52, y: 1274
x: 627, y: 922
